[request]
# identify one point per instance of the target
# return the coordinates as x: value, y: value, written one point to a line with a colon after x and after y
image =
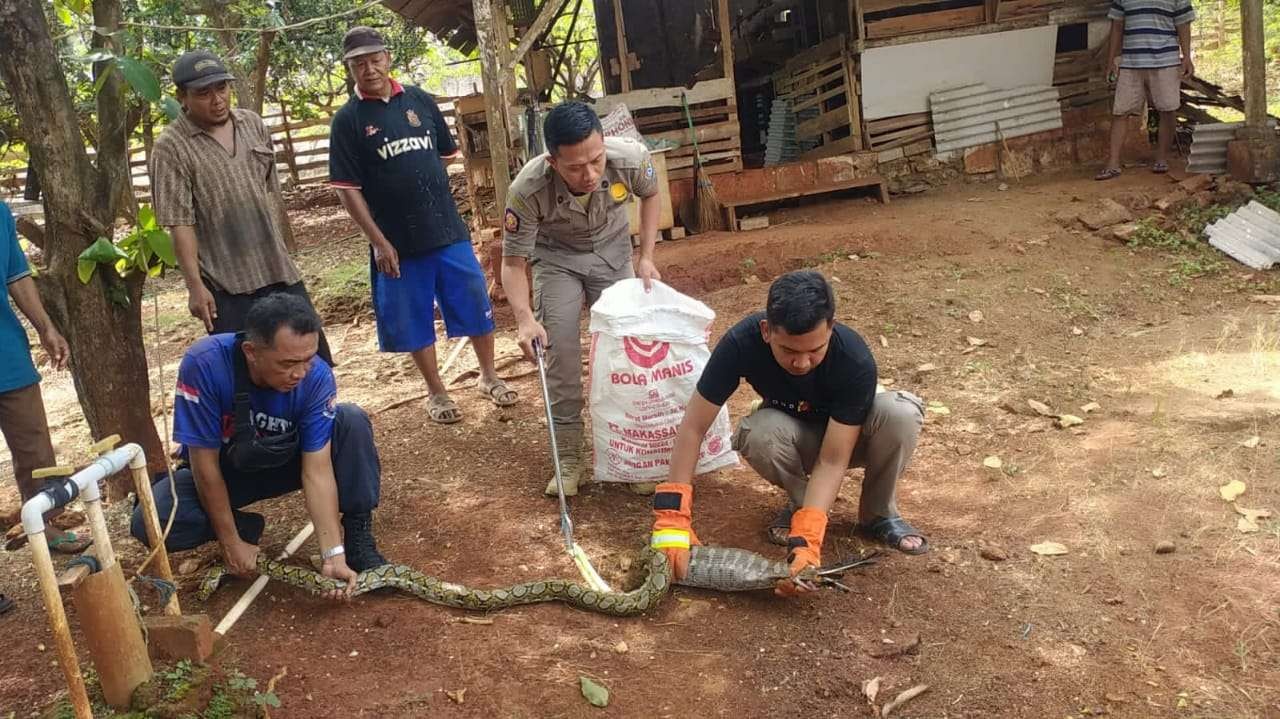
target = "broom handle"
x: 693, y: 134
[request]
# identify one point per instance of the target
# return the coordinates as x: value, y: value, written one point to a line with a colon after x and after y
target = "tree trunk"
x: 101, y: 320
x: 251, y: 80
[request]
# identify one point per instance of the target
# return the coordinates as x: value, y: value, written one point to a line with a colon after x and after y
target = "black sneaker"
x: 362, y: 551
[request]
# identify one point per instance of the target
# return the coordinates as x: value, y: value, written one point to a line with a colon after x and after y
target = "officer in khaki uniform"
x: 566, y: 216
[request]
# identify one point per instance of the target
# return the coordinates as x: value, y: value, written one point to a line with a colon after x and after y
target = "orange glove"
x: 808, y: 527
x: 673, y: 525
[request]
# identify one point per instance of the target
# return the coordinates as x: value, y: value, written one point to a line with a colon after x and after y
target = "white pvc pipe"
x: 255, y: 589
x: 86, y: 484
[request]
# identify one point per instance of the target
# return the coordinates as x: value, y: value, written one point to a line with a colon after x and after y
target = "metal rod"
x: 566, y: 525
x: 256, y: 588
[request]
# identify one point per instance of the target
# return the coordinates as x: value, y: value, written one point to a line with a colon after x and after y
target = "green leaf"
x: 98, y: 55
x: 64, y: 15
x: 140, y: 78
x: 102, y: 76
x: 122, y: 265
x: 146, y: 218
x: 162, y: 244
x: 155, y: 271
x: 84, y: 269
x: 595, y: 694
x: 102, y: 251
x: 170, y: 108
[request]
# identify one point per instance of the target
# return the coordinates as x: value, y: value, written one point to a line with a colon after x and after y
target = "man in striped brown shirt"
x: 217, y: 191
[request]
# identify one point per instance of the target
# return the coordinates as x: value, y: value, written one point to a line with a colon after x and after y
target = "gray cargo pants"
x: 783, y: 450
x: 558, y: 297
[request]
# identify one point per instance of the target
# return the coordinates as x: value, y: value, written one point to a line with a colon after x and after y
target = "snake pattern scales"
x: 723, y: 569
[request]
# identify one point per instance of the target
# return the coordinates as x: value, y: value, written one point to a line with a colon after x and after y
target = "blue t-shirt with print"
x: 204, y: 411
x: 16, y: 368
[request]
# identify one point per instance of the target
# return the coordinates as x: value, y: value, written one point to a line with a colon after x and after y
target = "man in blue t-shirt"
x: 22, y: 418
x: 819, y: 414
x: 385, y: 150
x: 258, y: 417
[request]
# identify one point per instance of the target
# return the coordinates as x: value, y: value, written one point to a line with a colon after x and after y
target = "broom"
x: 708, y: 215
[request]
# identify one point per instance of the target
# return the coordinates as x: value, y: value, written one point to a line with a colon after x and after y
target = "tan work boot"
x: 572, y: 472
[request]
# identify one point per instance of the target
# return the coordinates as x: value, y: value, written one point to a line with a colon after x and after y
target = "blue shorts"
x: 449, y: 276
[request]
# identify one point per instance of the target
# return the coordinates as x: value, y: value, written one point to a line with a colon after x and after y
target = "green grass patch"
x: 342, y: 290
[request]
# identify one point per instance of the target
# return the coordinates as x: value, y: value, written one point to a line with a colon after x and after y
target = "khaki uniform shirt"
x: 544, y: 222
x: 232, y: 199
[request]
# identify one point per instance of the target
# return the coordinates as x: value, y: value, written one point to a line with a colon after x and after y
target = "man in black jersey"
x: 820, y: 413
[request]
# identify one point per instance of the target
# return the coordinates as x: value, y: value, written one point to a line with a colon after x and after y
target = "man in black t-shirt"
x: 819, y: 414
x: 385, y: 149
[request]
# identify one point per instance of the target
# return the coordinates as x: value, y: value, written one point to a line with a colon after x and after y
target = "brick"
x: 981, y: 160
x: 1106, y: 213
x: 176, y: 638
x: 1016, y: 164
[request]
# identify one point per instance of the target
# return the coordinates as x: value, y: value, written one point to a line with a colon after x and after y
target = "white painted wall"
x: 897, y: 80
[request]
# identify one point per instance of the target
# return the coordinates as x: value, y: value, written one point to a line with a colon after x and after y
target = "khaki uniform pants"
x: 783, y: 450
x: 558, y: 297
x: 26, y: 431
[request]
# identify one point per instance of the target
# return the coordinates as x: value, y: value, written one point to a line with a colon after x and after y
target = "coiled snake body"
x: 717, y: 568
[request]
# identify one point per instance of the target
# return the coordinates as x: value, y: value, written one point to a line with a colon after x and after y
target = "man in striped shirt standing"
x: 1150, y: 53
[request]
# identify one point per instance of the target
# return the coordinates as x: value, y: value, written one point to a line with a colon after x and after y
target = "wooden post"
x: 852, y: 98
x: 1255, y: 64
x: 289, y: 157
x: 58, y: 625
x: 494, y: 106
x: 113, y: 633
x: 550, y: 11
x: 624, y: 57
x: 147, y: 501
x: 726, y: 42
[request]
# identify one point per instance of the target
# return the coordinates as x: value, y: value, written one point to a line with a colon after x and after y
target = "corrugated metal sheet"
x: 975, y: 115
x: 1250, y: 235
x: 1209, y: 147
x: 451, y: 21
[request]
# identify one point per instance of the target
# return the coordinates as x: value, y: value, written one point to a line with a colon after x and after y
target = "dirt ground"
x: 1184, y: 377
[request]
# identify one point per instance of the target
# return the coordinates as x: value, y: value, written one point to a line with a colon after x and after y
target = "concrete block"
x: 1106, y: 213
x: 753, y: 223
x: 677, y: 233
x: 1255, y: 161
x: 981, y: 160
x: 176, y: 638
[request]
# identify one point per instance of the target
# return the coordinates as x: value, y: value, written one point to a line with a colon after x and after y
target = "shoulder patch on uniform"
x: 511, y: 221
x: 648, y: 169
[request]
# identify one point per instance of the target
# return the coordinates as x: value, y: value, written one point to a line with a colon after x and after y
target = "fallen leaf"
x: 1226, y: 394
x: 1041, y: 408
x: 938, y: 408
x: 457, y: 696
x: 1246, y: 525
x: 1159, y: 473
x: 1253, y: 514
x: 1165, y: 547
x: 595, y: 694
x: 621, y: 648
x: 1252, y: 442
x: 911, y: 646
x: 993, y: 553
x: 1091, y: 407
x: 1077, y: 331
x: 476, y: 620
x: 993, y: 462
x: 903, y: 698
x: 975, y: 341
x: 1231, y: 490
x: 976, y: 316
x: 1049, y: 549
x: 871, y: 689
x: 926, y: 367
x: 189, y: 566
x: 1038, y: 291
x: 883, y: 342
x: 1269, y: 299
x: 1069, y: 420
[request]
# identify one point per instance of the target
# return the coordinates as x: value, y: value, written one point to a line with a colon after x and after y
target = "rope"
x: 163, y: 587
x: 87, y: 560
x: 164, y: 442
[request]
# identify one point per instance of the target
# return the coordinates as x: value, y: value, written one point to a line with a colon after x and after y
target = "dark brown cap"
x: 361, y: 40
x: 199, y: 68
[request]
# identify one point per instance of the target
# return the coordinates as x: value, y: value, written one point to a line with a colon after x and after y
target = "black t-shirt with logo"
x: 391, y: 150
x: 842, y: 387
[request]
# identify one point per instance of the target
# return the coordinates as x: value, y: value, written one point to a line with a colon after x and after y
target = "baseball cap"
x: 361, y: 40
x: 199, y: 68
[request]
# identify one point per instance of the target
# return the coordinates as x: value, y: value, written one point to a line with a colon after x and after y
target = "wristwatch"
x: 332, y: 552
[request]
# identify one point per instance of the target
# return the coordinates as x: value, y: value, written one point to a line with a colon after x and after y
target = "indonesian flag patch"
x: 189, y: 393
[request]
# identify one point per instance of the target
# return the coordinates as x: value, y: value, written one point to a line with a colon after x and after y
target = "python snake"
x: 717, y: 568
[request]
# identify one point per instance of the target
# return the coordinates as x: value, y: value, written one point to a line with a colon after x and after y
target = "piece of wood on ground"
x: 903, y: 698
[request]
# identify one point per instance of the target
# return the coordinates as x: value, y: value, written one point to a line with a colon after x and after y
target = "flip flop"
x: 443, y: 410
x: 499, y: 393
x: 779, y: 530
x: 73, y: 542
x: 6, y: 604
x: 1109, y: 173
x: 1159, y: 168
x: 890, y: 531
